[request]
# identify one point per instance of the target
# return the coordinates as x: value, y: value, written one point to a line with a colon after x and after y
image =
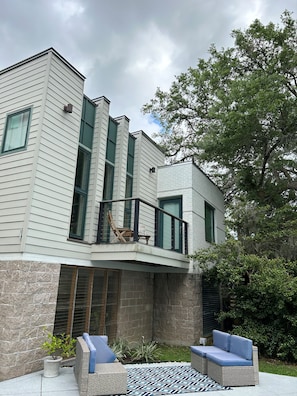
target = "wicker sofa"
x: 96, y: 370
x: 231, y: 360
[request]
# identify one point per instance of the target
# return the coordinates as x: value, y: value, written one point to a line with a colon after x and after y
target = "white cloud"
x: 126, y: 49
x: 67, y: 9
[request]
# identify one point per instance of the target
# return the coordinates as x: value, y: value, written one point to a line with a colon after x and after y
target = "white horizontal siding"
x: 20, y: 88
x: 147, y: 155
x: 71, y: 250
x: 48, y: 226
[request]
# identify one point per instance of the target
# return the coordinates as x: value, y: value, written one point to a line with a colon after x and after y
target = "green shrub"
x: 121, y: 349
x: 145, y: 352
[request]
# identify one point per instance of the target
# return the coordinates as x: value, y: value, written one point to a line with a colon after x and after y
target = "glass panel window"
x: 111, y: 141
x: 170, y: 229
x: 80, y: 196
x: 16, y: 131
x: 209, y: 223
x: 108, y: 181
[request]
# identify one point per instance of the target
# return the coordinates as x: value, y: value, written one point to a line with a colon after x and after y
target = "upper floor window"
x: 209, y: 223
x: 80, y: 195
x: 16, y: 131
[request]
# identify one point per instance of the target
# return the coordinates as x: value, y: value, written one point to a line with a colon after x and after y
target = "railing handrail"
x: 146, y: 203
x: 182, y: 223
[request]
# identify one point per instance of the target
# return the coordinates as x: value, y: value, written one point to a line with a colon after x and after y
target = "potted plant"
x: 58, y: 348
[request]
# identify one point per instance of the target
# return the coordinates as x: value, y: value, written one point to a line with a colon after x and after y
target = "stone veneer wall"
x: 135, y: 314
x: 178, y: 309
x: 28, y: 294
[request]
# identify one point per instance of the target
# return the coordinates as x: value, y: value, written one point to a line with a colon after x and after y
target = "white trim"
x: 44, y: 259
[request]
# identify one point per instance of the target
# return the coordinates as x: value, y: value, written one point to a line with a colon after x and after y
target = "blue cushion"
x: 241, y: 346
x: 228, y: 359
x: 103, y: 338
x: 221, y: 340
x: 203, y: 350
x: 103, y: 353
x: 92, y: 362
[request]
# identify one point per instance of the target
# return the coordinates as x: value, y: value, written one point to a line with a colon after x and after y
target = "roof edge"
x: 39, y: 55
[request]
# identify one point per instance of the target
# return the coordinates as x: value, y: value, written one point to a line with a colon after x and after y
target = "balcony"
x: 135, y: 231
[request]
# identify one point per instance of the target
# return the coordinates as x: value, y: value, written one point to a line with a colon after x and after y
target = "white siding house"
x: 65, y: 163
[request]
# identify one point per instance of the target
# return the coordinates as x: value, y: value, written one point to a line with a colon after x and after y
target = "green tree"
x: 236, y: 113
x: 259, y: 294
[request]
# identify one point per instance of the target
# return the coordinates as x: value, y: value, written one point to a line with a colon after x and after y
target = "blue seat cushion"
x: 221, y: 340
x: 228, y: 359
x: 92, y: 349
x: 103, y: 353
x: 241, y: 346
x: 202, y: 350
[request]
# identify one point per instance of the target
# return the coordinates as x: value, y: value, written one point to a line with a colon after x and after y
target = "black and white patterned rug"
x: 154, y: 379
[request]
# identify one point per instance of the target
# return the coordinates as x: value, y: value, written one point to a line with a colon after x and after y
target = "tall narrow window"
x: 170, y: 234
x: 209, y: 223
x: 80, y: 196
x: 16, y: 131
x: 110, y: 159
x: 109, y: 172
x: 129, y: 181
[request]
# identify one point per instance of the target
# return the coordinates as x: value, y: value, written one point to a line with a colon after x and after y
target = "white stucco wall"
x: 187, y: 180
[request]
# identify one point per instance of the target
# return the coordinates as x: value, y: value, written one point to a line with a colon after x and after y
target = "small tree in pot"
x: 58, y: 347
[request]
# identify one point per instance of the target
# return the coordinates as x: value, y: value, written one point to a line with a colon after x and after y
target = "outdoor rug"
x: 153, y: 379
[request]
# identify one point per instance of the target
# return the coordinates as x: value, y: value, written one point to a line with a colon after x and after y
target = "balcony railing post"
x: 186, y: 238
x: 157, y: 227
x: 100, y: 223
x: 172, y: 233
x: 136, y: 221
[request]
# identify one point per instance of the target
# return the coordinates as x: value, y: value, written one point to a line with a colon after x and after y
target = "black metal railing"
x: 139, y: 221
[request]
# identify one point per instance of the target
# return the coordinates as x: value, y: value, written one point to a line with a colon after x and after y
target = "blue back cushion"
x: 92, y: 362
x: 221, y: 340
x: 103, y: 353
x: 241, y: 346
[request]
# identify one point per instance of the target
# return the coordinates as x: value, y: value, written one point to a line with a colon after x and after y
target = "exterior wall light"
x: 68, y: 108
x: 153, y: 170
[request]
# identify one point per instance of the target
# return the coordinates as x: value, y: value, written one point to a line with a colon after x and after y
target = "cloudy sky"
x: 128, y: 48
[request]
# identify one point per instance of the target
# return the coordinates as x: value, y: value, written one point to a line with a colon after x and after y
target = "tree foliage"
x: 259, y: 294
x: 236, y: 112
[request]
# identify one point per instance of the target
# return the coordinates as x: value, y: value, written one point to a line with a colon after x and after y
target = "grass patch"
x: 174, y: 353
x: 277, y: 367
x: 168, y: 353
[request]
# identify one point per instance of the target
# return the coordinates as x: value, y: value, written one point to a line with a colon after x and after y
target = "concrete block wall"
x: 177, y: 309
x: 136, y: 306
x: 28, y: 293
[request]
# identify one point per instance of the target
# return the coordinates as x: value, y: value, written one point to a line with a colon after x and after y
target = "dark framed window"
x: 111, y: 140
x: 129, y: 181
x: 88, y: 301
x: 79, y: 204
x: 170, y: 232
x: 209, y: 223
x: 16, y: 131
x: 80, y: 195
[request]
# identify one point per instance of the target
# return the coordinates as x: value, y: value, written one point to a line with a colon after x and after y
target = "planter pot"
x: 51, y: 366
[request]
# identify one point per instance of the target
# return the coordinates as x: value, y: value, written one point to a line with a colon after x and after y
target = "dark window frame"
x: 8, y: 130
x: 209, y: 213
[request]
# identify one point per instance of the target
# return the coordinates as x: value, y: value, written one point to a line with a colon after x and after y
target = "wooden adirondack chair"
x: 123, y: 234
